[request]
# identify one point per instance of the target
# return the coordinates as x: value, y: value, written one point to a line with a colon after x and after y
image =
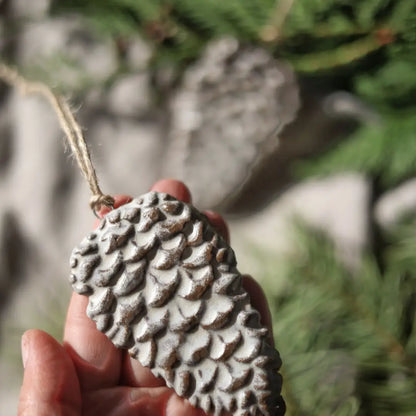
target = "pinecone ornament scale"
x: 163, y: 284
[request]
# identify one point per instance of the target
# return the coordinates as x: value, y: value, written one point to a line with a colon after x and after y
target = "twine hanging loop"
x: 71, y: 128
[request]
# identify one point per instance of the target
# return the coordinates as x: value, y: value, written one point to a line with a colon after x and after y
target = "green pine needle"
x: 386, y: 151
x: 347, y: 339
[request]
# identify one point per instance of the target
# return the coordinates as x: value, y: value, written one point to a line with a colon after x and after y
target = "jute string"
x: 70, y: 127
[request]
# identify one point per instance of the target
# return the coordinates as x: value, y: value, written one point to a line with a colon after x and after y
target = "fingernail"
x: 135, y: 394
x: 25, y: 347
x: 171, y: 405
x: 178, y: 406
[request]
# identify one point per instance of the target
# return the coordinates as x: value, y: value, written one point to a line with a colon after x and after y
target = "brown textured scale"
x: 163, y: 284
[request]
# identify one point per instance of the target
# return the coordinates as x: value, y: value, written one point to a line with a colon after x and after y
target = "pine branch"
x: 326, y: 308
x: 314, y: 36
x: 392, y: 86
x: 343, y: 55
x: 386, y: 151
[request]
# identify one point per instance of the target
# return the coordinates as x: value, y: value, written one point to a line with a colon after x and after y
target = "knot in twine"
x: 71, y: 128
x: 97, y: 201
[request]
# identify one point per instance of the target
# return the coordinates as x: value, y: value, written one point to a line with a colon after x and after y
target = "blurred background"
x: 295, y: 119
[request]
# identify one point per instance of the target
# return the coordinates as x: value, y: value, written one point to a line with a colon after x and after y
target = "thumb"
x: 50, y: 384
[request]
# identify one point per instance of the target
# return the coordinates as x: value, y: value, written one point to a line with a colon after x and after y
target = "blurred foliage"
x: 348, y: 339
x: 386, y: 151
x: 314, y: 35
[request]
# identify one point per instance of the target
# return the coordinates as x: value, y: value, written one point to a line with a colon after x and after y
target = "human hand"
x: 88, y: 375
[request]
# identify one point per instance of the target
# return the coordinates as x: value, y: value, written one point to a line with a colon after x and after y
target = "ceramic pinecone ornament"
x: 163, y: 284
